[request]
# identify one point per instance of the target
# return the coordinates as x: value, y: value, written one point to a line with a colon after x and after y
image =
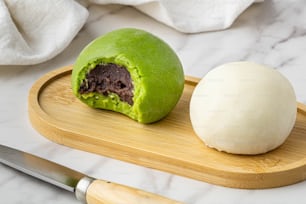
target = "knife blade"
x: 87, y: 189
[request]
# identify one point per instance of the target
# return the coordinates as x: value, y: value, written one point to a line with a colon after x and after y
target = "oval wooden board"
x: 168, y: 145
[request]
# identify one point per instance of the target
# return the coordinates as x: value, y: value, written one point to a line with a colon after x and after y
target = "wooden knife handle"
x: 105, y: 192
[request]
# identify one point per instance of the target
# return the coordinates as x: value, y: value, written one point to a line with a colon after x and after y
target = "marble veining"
x: 272, y: 33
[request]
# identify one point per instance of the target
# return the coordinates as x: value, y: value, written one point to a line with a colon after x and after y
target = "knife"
x: 87, y: 189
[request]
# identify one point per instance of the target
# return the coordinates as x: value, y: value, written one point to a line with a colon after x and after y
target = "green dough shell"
x: 156, y: 72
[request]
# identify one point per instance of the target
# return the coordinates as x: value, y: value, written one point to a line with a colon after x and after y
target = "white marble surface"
x: 272, y: 33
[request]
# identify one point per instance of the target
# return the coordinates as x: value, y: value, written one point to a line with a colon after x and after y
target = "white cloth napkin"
x: 190, y: 16
x: 33, y: 31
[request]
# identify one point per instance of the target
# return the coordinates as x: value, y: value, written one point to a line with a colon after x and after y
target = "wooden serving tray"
x: 169, y: 145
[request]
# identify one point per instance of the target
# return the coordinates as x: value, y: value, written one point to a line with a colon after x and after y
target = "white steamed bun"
x: 243, y: 108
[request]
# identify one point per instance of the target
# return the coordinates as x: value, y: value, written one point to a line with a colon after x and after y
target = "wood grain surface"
x: 104, y: 192
x: 169, y: 145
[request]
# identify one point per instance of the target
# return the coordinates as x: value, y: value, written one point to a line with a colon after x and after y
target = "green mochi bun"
x: 155, y: 70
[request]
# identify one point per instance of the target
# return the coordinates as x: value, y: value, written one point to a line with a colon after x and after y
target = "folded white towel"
x: 190, y: 16
x: 34, y: 31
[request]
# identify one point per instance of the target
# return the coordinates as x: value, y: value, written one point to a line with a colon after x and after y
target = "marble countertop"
x: 271, y: 33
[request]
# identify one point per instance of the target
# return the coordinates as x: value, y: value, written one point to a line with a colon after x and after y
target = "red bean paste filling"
x: 109, y: 78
